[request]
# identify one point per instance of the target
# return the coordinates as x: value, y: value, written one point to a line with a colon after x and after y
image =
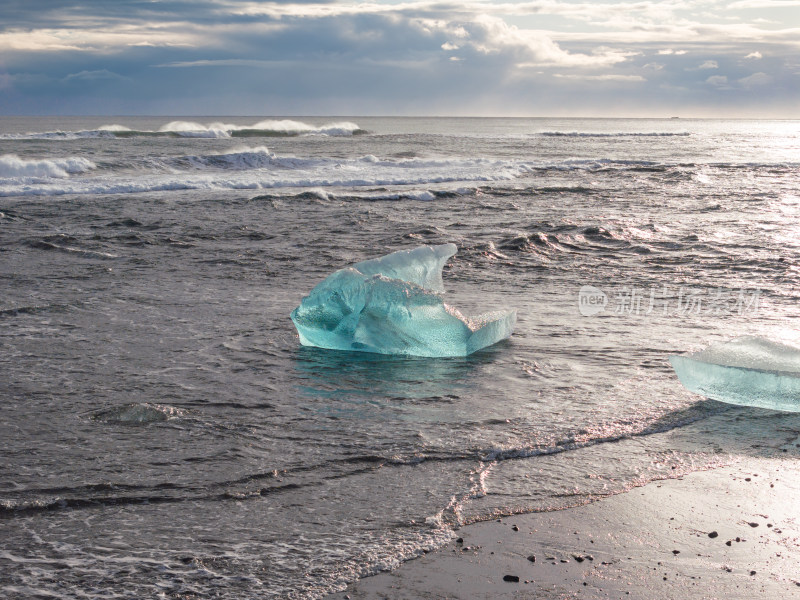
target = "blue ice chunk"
x: 393, y: 305
x: 750, y: 371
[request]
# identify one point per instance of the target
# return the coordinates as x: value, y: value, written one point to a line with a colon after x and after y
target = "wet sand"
x: 730, y: 533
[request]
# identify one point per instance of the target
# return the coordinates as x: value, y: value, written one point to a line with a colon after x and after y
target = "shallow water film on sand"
x: 167, y: 435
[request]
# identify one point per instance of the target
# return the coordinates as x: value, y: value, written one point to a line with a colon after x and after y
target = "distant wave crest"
x: 191, y: 129
x: 614, y: 134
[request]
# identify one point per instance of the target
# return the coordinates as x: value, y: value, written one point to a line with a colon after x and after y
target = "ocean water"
x: 166, y: 436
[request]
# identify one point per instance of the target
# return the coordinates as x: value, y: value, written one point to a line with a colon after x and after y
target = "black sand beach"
x: 727, y: 533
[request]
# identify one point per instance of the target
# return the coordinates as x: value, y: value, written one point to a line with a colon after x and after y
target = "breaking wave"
x: 61, y: 135
x: 14, y: 167
x: 380, y: 194
x: 287, y: 127
x: 259, y: 169
x: 191, y: 129
x: 239, y: 159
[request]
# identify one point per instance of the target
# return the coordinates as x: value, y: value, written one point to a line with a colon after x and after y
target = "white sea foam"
x: 258, y: 169
x: 13, y: 167
x: 198, y: 130
x: 421, y: 195
x: 320, y: 193
x: 416, y: 194
x: 424, y: 195
x: 289, y: 127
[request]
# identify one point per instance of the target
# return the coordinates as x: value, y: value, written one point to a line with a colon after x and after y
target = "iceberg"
x: 394, y: 305
x: 749, y: 371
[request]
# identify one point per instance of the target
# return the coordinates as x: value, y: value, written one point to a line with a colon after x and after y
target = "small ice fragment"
x: 393, y: 305
x: 750, y: 371
x: 144, y: 412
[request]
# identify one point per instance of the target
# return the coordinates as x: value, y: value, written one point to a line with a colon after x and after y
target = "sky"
x: 688, y: 58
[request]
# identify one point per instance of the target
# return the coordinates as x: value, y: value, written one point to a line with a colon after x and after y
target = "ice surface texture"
x: 393, y: 305
x: 750, y: 371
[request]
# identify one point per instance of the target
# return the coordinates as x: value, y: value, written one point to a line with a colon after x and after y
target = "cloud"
x: 755, y: 80
x: 416, y: 56
x: 489, y: 35
x: 718, y: 80
x: 706, y: 65
x: 606, y: 77
x: 113, y: 38
x: 148, y: 44
x: 225, y: 62
x: 100, y: 74
x: 762, y: 4
x: 34, y: 41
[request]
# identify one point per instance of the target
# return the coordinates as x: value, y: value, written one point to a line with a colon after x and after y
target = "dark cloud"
x: 72, y: 13
x: 206, y: 57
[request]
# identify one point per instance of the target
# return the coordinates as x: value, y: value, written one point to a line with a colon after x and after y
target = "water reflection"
x: 334, y: 373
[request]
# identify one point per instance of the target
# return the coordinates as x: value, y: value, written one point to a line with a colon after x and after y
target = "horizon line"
x: 403, y: 116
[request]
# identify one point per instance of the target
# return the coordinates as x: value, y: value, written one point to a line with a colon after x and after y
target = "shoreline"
x: 730, y: 532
